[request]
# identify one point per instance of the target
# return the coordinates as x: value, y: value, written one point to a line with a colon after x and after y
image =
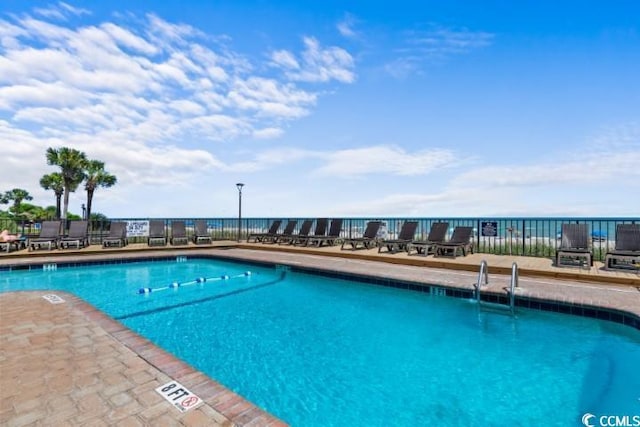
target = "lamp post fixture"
x: 239, y: 185
x: 84, y: 211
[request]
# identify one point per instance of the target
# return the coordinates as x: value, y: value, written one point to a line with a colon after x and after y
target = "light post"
x: 84, y: 211
x: 239, y: 185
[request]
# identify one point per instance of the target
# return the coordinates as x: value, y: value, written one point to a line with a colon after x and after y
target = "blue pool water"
x: 326, y: 352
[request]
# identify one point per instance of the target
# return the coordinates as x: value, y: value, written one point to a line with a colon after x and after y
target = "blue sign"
x: 489, y: 228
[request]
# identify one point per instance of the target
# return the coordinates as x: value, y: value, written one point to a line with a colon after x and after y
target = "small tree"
x: 55, y: 182
x: 96, y: 176
x: 17, y: 195
x: 72, y: 165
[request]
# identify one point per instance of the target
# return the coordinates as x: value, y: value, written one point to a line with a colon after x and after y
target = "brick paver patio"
x: 69, y: 364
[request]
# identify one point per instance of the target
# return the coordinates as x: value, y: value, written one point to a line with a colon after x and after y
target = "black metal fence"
x: 538, y: 236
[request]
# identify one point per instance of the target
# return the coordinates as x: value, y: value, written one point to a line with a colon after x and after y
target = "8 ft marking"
x: 178, y: 395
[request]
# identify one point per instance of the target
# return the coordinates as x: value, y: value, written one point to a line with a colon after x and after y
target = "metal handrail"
x: 484, y: 271
x: 513, y: 286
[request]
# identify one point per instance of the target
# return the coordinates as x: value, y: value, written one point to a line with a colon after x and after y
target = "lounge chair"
x: 273, y: 230
x: 201, y: 232
x: 49, y: 236
x: 330, y: 239
x: 304, y: 231
x: 627, y: 250
x: 117, y: 235
x: 9, y: 241
x: 436, y: 235
x: 460, y: 240
x: 288, y: 231
x: 406, y: 235
x: 178, y: 233
x: 574, y: 245
x: 157, y: 234
x: 368, y: 239
x: 78, y: 235
x: 320, y: 231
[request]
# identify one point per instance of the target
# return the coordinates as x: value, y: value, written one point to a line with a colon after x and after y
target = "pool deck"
x: 69, y: 364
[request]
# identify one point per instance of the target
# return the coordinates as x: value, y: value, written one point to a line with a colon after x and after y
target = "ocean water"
x: 325, y: 352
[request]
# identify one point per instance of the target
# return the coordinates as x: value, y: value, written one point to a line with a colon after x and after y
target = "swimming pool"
x: 318, y: 351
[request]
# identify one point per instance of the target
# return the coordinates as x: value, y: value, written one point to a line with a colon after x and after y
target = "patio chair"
x: 406, y: 235
x: 157, y: 234
x: 330, y: 239
x: 178, y: 233
x: 627, y: 250
x: 368, y: 239
x: 273, y: 230
x: 304, y: 231
x: 201, y: 232
x: 461, y: 239
x: 574, y: 246
x: 117, y: 235
x: 288, y: 231
x: 49, y: 236
x: 436, y: 235
x: 320, y: 231
x: 78, y: 235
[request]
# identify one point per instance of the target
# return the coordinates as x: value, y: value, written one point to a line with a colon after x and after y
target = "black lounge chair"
x: 436, y: 235
x: 78, y: 235
x: 368, y: 239
x: 157, y: 234
x: 273, y: 230
x: 460, y: 240
x: 574, y: 245
x: 407, y: 234
x: 330, y: 239
x: 288, y: 232
x: 201, y: 232
x: 320, y: 231
x: 304, y: 231
x: 18, y: 242
x: 178, y: 233
x: 117, y: 235
x: 627, y: 251
x: 49, y: 236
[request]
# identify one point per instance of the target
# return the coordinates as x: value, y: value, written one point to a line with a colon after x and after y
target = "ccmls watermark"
x: 590, y: 420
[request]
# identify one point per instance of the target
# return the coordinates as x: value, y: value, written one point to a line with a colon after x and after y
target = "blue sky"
x: 405, y: 108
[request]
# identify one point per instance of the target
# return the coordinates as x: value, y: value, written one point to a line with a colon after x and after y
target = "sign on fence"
x: 137, y: 228
x: 489, y: 228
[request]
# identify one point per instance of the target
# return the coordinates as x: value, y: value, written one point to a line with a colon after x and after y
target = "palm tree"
x: 17, y: 195
x: 72, y: 165
x: 96, y: 176
x: 55, y: 182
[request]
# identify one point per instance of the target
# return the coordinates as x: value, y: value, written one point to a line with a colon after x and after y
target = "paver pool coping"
x: 624, y: 308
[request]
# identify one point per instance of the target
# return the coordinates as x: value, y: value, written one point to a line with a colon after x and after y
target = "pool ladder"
x: 484, y: 274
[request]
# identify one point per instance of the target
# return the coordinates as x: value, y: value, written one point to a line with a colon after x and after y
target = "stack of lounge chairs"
x: 626, y: 254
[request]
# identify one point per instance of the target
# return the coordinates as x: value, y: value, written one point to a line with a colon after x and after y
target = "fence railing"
x: 538, y: 237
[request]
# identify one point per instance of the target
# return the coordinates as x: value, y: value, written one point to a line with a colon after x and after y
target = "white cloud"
x: 346, y: 26
x: 386, y: 160
x: 317, y: 64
